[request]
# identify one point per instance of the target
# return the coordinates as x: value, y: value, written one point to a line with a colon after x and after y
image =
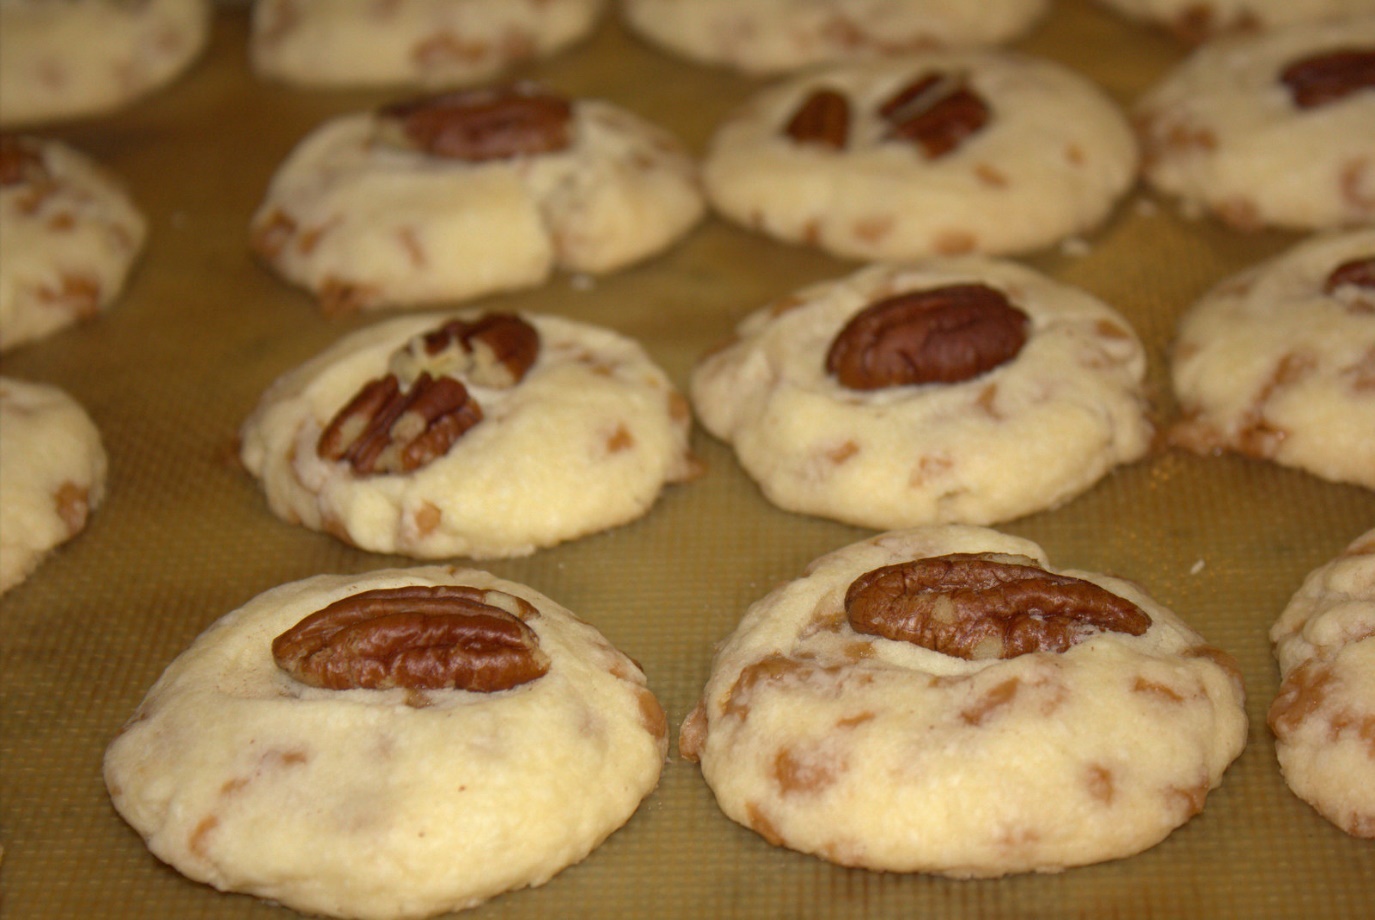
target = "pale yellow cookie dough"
x: 1223, y: 133
x: 887, y: 755
x: 772, y: 36
x: 1053, y: 158
x: 363, y: 224
x: 63, y: 59
x: 1200, y: 20
x: 1324, y: 715
x: 383, y: 803
x: 436, y: 43
x: 52, y: 474
x: 585, y: 442
x: 1273, y: 365
x: 69, y: 236
x: 1027, y: 435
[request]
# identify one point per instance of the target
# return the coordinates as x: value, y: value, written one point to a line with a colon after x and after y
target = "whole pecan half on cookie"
x: 940, y: 335
x: 491, y: 123
x: 419, y: 637
x: 978, y: 606
x: 1358, y: 273
x: 1329, y: 77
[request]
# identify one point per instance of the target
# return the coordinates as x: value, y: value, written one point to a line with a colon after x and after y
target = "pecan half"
x: 977, y: 606
x: 1358, y: 272
x: 1329, y: 77
x: 937, y: 112
x: 485, y: 124
x: 941, y: 335
x: 495, y: 350
x: 385, y: 429
x: 441, y: 637
x: 21, y: 161
x: 823, y: 119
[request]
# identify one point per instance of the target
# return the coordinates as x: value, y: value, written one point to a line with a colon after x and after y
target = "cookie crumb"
x: 1196, y: 567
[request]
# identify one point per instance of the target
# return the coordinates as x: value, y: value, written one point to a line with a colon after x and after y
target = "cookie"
x: 389, y: 745
x: 963, y: 390
x: 52, y: 474
x: 1269, y: 130
x: 773, y: 36
x: 62, y: 60
x: 434, y: 43
x: 942, y: 700
x: 933, y: 154
x: 456, y: 196
x: 69, y: 235
x: 1196, y: 22
x: 1278, y: 362
x: 469, y: 435
x: 1325, y: 710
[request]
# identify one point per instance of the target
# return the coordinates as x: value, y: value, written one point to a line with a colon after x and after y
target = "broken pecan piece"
x: 823, y: 119
x: 937, y: 111
x: 1358, y: 272
x: 940, y: 335
x: 21, y: 161
x: 1329, y: 77
x: 977, y: 606
x: 485, y: 124
x: 420, y: 637
x: 385, y: 429
x: 494, y: 350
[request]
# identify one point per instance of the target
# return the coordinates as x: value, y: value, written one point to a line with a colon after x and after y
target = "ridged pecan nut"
x: 485, y: 124
x: 385, y: 429
x: 976, y: 606
x: 21, y: 161
x: 1357, y: 273
x: 1330, y: 76
x: 939, y: 335
x: 937, y: 111
x: 495, y: 350
x: 443, y: 637
x: 822, y: 119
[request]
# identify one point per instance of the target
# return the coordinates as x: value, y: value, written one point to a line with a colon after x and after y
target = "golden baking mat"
x: 185, y: 536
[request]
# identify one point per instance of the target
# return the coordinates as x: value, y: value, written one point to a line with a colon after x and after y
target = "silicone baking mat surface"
x: 185, y: 536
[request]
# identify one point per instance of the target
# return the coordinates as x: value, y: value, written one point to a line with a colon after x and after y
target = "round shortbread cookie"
x: 940, y: 153
x: 773, y: 36
x: 1324, y: 713
x: 1278, y: 362
x: 885, y: 753
x: 1199, y: 20
x: 63, y: 59
x: 69, y: 234
x: 471, y: 193
x: 52, y: 474
x: 581, y: 441
x: 1269, y: 130
x: 435, y: 43
x: 384, y: 800
x: 1021, y: 436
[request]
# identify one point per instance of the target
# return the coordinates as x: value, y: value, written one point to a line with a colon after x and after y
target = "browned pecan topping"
x: 485, y: 124
x: 385, y: 429
x: 419, y: 637
x: 823, y: 118
x: 21, y: 161
x: 1330, y: 76
x: 977, y: 606
x: 937, y: 112
x: 1358, y: 272
x: 944, y: 335
x: 495, y: 350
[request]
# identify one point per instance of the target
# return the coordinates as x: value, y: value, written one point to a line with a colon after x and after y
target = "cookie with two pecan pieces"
x: 453, y: 196
x: 1275, y: 129
x: 1278, y: 361
x: 927, y: 154
x: 959, y: 390
x: 942, y: 700
x: 392, y: 745
x: 480, y: 435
